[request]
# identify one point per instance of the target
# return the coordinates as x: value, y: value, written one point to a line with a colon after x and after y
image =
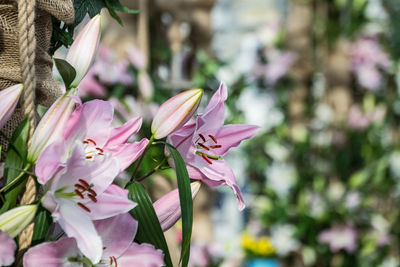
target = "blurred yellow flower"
x: 260, y: 247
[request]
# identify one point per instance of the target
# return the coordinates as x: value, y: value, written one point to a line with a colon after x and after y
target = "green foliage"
x: 185, y: 198
x: 15, y: 160
x: 67, y: 72
x: 149, y: 229
x: 41, y: 228
x: 63, y: 36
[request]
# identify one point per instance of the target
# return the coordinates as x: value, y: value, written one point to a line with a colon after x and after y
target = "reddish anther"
x: 104, y: 248
x: 80, y: 187
x: 85, y: 142
x: 83, y: 207
x: 202, y: 137
x: 99, y: 149
x: 111, y: 260
x: 216, y: 146
x: 79, y: 193
x: 93, y: 142
x: 115, y: 260
x: 84, y: 183
x: 93, y: 198
x: 91, y: 191
x: 213, y: 138
x: 206, y: 159
x: 203, y: 146
x: 89, y: 157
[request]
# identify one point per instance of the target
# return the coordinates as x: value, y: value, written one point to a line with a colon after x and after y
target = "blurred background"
x: 321, y: 78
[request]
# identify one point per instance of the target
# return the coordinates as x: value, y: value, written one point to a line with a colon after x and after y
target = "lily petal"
x: 214, y: 114
x: 110, y: 203
x: 53, y: 254
x: 8, y: 101
x: 219, y: 173
x: 117, y: 234
x: 94, y: 122
x: 7, y: 249
x: 141, y: 255
x: 49, y: 161
x: 128, y: 153
x: 231, y: 136
x: 121, y: 134
x: 77, y: 224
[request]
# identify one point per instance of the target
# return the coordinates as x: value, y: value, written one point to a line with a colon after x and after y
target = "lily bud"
x: 51, y: 126
x: 175, y: 112
x: 15, y: 220
x: 8, y: 101
x: 168, y: 208
x: 82, y: 52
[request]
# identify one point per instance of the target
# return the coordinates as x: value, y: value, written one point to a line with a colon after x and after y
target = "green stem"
x: 16, y: 180
x: 158, y: 167
x: 141, y: 158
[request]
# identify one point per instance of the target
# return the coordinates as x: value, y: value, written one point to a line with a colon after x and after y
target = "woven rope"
x: 27, y: 48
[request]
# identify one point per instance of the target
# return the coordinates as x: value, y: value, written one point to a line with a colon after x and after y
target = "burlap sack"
x: 47, y: 89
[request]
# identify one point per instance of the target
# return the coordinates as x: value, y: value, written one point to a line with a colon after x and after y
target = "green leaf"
x: 116, y: 5
x: 43, y: 221
x: 67, y: 72
x: 83, y: 7
x: 15, y: 159
x: 149, y: 229
x: 185, y: 198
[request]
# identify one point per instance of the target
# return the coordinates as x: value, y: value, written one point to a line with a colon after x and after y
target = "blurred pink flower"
x: 339, y: 237
x: 366, y: 59
x: 359, y: 120
x: 278, y: 64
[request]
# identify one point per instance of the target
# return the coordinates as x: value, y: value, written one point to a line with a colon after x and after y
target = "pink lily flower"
x: 203, y: 143
x: 7, y: 249
x: 91, y: 124
x: 168, y: 208
x: 116, y: 233
x: 82, y: 192
x: 8, y: 101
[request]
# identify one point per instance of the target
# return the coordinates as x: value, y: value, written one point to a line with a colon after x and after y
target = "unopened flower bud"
x: 175, y: 112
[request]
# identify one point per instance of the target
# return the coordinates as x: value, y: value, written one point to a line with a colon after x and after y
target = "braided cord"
x: 27, y: 49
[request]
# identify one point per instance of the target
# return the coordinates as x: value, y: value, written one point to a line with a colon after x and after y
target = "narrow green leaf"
x: 185, y: 198
x: 66, y: 71
x: 116, y: 5
x: 42, y: 225
x: 15, y: 159
x: 149, y: 229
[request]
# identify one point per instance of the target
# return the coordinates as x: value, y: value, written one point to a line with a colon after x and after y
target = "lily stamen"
x: 83, y: 206
x: 206, y: 158
x: 213, y: 138
x: 216, y: 146
x: 84, y: 183
x: 202, y: 137
x: 92, y: 141
x: 93, y: 198
x: 79, y: 193
x: 203, y: 146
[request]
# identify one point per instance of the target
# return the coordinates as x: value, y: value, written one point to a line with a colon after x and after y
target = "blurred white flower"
x: 282, y: 238
x: 390, y: 262
x: 317, y: 205
x: 281, y: 177
x: 277, y: 151
x: 352, y: 200
x: 259, y: 109
x: 324, y: 115
x: 335, y: 191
